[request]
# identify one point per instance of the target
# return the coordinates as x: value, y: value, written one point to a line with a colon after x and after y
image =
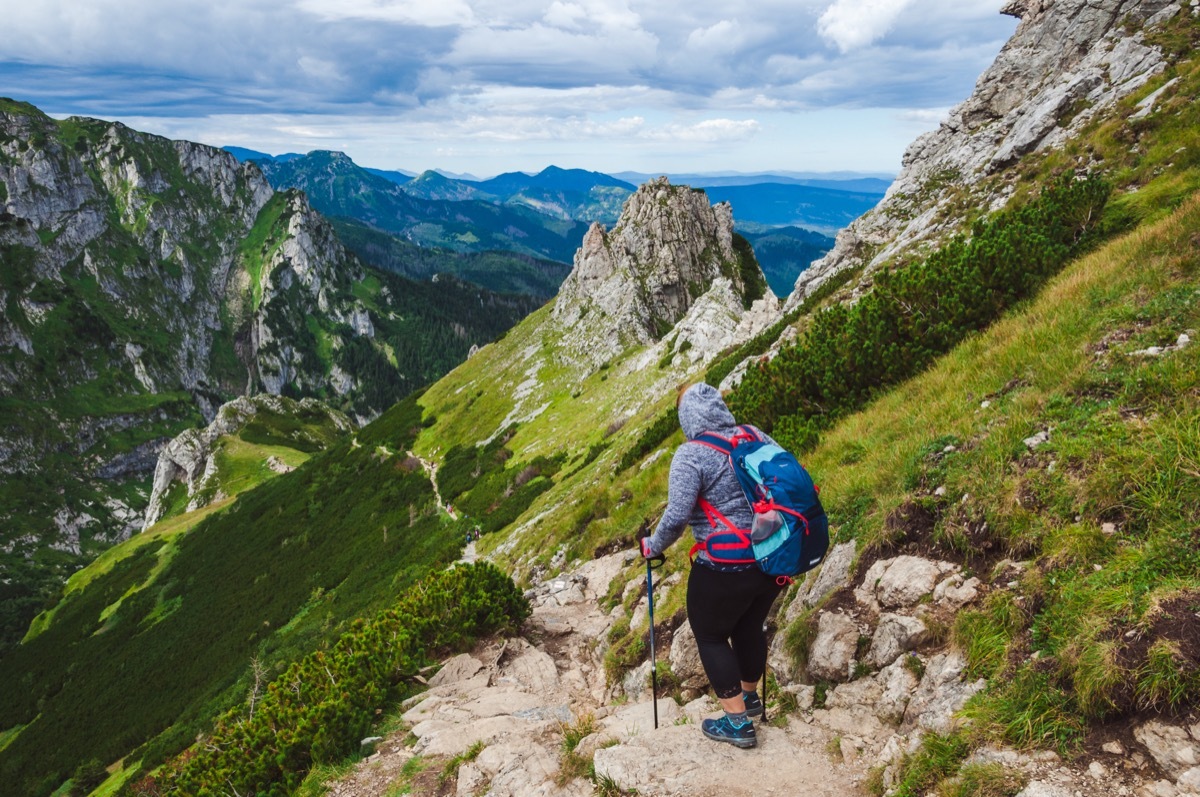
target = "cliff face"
x: 143, y: 283
x: 1068, y: 63
x: 631, y: 285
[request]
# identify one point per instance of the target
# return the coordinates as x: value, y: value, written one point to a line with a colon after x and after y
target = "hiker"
x: 726, y: 603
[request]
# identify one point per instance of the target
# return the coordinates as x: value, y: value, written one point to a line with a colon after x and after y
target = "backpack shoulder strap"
x: 715, y: 441
x: 746, y: 432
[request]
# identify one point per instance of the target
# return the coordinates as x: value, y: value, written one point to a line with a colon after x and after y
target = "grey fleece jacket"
x: 699, y: 471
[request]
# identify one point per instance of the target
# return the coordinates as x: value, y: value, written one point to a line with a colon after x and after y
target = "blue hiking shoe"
x: 722, y: 730
x: 754, y: 707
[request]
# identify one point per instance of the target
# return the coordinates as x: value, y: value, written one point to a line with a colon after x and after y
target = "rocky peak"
x: 631, y: 285
x: 189, y: 457
x: 1067, y: 62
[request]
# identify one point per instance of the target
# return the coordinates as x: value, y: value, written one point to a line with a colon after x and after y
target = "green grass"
x: 984, y: 780
x: 350, y: 523
x: 261, y: 242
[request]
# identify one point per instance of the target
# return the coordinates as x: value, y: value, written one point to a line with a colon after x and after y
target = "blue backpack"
x: 790, y: 534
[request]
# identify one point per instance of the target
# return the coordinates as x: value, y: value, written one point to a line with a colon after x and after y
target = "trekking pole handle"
x: 655, y: 562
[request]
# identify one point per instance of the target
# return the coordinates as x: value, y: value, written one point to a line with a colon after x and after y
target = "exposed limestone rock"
x: 675, y: 761
x: 188, y: 457
x: 895, y: 635
x: 1068, y: 61
x: 685, y: 659
x: 900, y: 582
x: 1174, y: 748
x: 832, y: 652
x: 899, y: 685
x: 833, y: 574
x: 633, y: 284
x: 956, y: 591
x: 942, y: 692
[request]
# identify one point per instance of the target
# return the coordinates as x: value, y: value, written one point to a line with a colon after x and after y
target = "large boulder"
x: 685, y: 659
x: 895, y: 635
x: 831, y: 655
x: 942, y: 693
x: 901, y: 582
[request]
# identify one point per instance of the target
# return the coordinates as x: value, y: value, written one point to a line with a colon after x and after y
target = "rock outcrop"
x: 670, y: 256
x: 1068, y: 62
x: 188, y: 458
x: 145, y: 283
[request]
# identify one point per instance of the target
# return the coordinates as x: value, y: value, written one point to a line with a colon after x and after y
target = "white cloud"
x: 929, y: 117
x: 567, y: 16
x: 543, y: 55
x: 318, y: 68
x: 851, y: 24
x: 709, y: 131
x: 407, y: 12
x: 724, y: 36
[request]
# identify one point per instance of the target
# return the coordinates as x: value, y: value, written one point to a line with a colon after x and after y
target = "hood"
x: 703, y: 410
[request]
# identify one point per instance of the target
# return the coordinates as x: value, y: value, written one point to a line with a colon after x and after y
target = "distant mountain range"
x: 788, y: 216
x: 337, y: 186
x: 823, y: 202
x: 784, y: 252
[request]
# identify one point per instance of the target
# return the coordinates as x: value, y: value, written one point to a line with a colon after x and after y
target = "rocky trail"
x: 498, y: 721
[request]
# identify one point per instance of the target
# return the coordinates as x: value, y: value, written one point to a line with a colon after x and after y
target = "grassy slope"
x: 160, y: 640
x: 1125, y: 430
x: 1123, y: 437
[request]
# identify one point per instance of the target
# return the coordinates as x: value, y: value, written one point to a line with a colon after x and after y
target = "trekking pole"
x: 650, y: 565
x: 766, y: 667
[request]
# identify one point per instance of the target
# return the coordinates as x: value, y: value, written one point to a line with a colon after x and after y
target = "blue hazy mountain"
x: 784, y: 252
x: 337, y: 186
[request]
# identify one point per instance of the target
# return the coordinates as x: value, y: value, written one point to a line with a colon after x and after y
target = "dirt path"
x: 431, y: 470
x: 518, y: 698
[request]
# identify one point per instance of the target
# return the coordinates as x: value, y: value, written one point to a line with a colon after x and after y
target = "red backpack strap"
x: 716, y: 442
x: 715, y: 518
x: 746, y: 432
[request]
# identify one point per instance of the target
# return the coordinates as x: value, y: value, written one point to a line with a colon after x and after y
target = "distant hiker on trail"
x: 726, y: 603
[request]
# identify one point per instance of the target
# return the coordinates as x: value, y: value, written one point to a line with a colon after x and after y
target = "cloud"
x: 709, y: 131
x: 929, y: 117
x: 407, y: 12
x: 724, y: 36
x: 552, y: 57
x: 489, y: 74
x: 851, y: 24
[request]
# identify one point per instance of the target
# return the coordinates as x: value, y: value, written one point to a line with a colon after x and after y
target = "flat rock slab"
x: 677, y: 760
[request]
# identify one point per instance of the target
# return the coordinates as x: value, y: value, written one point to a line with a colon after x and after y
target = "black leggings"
x: 727, y: 611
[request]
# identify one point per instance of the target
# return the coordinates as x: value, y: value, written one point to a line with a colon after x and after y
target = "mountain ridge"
x: 1014, y: 566
x: 144, y: 282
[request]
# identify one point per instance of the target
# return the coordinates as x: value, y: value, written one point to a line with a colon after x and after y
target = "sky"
x: 489, y: 86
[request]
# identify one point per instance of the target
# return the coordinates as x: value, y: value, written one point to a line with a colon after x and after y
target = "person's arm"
x: 683, y: 490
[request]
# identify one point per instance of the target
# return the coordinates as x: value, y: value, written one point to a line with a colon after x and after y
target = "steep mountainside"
x: 503, y: 272
x: 631, y: 285
x: 1034, y: 100
x: 336, y: 186
x: 311, y: 549
x: 784, y: 252
x: 145, y: 282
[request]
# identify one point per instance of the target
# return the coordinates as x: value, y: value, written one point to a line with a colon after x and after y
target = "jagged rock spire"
x: 633, y: 284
